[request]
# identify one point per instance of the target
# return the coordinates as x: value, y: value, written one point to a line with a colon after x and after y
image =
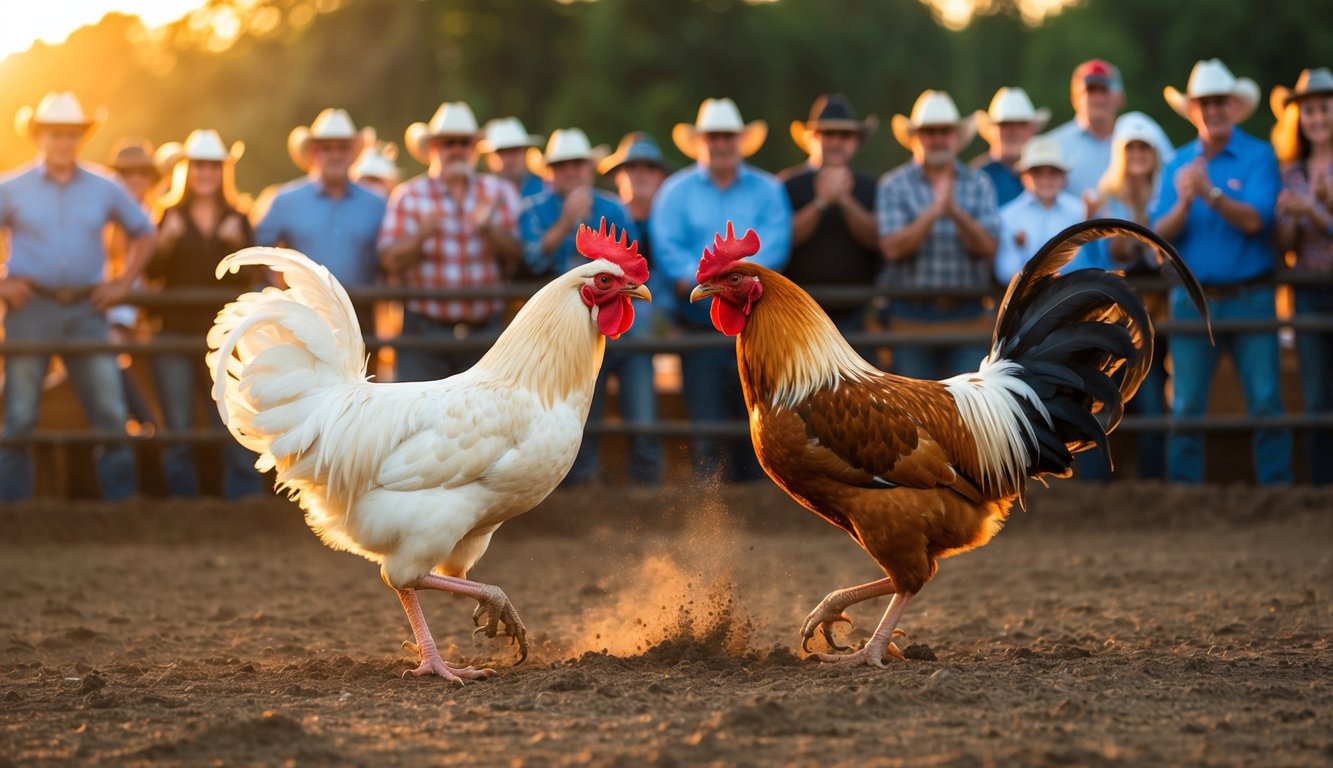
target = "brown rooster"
x: 919, y: 470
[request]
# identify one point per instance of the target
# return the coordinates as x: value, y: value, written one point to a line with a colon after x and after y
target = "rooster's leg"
x: 492, y: 603
x: 431, y: 663
x: 830, y: 611
x: 873, y: 651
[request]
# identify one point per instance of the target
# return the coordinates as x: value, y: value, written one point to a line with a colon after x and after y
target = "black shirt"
x: 189, y: 263
x: 831, y: 255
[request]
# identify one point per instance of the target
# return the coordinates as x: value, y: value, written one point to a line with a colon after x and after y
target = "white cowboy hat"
x: 507, y: 133
x: 1210, y: 77
x: 377, y: 162
x: 1011, y: 105
x: 57, y: 108
x: 933, y: 108
x: 332, y: 124
x: 202, y: 144
x: 719, y: 116
x: 1311, y: 82
x: 1136, y: 126
x: 564, y: 144
x: 453, y: 118
x: 1043, y: 152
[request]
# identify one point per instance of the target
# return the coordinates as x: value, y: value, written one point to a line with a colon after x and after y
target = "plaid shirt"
x: 942, y: 262
x: 458, y: 256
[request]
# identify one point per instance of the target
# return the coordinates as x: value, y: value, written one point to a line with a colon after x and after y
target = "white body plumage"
x: 414, y: 476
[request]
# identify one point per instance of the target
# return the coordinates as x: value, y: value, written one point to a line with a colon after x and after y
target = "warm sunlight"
x: 24, y: 24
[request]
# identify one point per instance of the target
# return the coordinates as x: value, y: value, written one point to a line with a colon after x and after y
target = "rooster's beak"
x: 701, y: 292
x: 638, y: 291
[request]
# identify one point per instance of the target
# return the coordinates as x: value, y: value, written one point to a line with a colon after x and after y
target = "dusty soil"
x: 1120, y: 625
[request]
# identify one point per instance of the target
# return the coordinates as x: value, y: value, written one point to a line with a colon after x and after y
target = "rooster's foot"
x: 872, y: 653
x: 823, y: 617
x: 497, y: 610
x: 434, y: 665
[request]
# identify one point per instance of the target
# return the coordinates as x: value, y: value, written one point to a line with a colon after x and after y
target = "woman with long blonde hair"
x: 1139, y: 150
x: 199, y: 221
x: 1303, y: 140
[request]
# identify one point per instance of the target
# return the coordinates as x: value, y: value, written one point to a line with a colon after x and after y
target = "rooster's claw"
x: 498, y: 610
x: 823, y: 617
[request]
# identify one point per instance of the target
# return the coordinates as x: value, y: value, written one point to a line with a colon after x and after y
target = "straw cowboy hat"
x: 564, y: 145
x: 331, y: 124
x: 1210, y: 77
x: 57, y: 108
x: 1043, y: 152
x: 719, y: 116
x: 202, y: 144
x: 133, y: 154
x: 453, y: 118
x: 635, y: 147
x: 933, y: 108
x: 1312, y: 82
x: 377, y: 162
x: 507, y: 133
x: 1011, y: 105
x: 831, y: 112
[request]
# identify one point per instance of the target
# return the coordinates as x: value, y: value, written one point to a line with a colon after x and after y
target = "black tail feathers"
x: 1083, y: 339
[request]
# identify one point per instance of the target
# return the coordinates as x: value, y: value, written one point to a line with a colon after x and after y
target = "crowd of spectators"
x: 945, y: 228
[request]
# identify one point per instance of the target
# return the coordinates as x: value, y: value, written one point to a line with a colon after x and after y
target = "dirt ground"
x: 1107, y: 625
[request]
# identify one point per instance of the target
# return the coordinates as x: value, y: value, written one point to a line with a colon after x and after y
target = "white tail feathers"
x: 990, y: 404
x: 275, y: 354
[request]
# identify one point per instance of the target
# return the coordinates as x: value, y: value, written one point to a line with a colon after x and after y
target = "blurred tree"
x: 254, y: 69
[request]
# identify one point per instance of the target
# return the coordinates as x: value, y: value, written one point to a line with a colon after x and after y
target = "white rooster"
x: 417, y: 476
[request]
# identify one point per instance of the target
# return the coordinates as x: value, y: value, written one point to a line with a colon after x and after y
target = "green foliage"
x: 610, y: 66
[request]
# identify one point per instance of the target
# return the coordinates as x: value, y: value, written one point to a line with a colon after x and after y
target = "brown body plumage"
x: 914, y: 470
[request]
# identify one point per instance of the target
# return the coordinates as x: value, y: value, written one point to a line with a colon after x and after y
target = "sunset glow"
x: 53, y: 22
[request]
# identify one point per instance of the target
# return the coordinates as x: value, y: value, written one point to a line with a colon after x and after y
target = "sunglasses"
x: 449, y: 142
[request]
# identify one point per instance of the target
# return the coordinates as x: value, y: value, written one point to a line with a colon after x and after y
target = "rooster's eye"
x: 603, y: 280
x: 734, y: 279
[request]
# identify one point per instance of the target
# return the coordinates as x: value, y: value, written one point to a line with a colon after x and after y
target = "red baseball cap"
x: 1097, y: 72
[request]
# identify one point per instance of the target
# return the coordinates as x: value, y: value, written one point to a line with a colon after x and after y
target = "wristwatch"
x: 1214, y: 195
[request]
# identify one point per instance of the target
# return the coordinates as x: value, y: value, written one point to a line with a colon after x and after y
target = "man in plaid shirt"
x: 939, y: 229
x: 448, y: 228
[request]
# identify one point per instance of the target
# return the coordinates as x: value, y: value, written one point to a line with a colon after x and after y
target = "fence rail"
x: 848, y: 296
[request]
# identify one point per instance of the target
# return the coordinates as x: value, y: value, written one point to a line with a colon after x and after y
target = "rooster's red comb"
x: 622, y: 253
x: 726, y: 252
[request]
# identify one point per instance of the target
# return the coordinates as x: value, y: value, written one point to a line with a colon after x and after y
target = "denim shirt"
x: 337, y: 232
x: 544, y: 210
x: 56, y: 230
x: 691, y: 210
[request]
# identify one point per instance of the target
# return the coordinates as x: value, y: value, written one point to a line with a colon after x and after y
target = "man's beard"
x: 938, y: 157
x: 455, y: 169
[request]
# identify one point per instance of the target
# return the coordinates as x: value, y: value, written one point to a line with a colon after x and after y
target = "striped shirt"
x: 942, y: 261
x: 1314, y: 246
x: 458, y: 256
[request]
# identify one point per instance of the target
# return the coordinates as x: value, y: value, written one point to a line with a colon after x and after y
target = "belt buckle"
x: 461, y: 331
x: 66, y: 295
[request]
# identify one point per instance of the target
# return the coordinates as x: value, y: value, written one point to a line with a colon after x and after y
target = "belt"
x: 63, y: 294
x: 944, y: 303
x: 1227, y: 290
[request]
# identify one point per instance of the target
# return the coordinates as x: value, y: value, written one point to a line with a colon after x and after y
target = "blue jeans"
x: 1151, y: 401
x: 435, y: 364
x: 935, y: 361
x: 1194, y: 362
x: 638, y: 405
x: 96, y: 380
x: 179, y: 378
x: 1314, y: 351
x: 711, y: 384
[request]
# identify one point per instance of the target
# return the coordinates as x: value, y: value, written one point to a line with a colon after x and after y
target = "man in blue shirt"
x: 1216, y: 206
x: 55, y: 289
x: 1098, y: 94
x: 691, y: 208
x: 326, y: 215
x: 548, y: 225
